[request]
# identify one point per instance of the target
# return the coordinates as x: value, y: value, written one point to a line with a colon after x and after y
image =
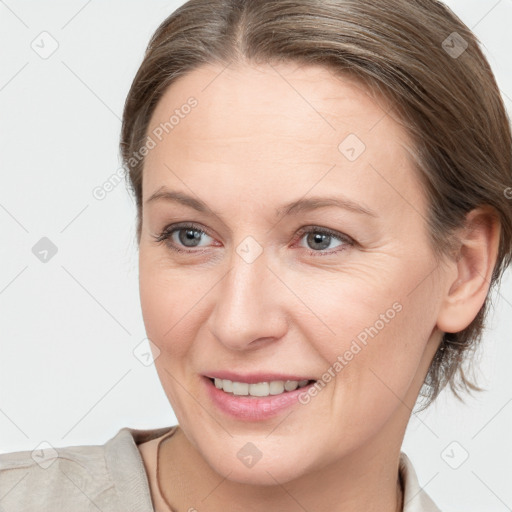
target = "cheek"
x: 359, y: 300
x: 155, y: 300
x: 167, y: 309
x: 172, y: 304
x: 168, y: 299
x: 371, y: 325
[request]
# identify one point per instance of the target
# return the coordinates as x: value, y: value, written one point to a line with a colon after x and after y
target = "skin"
x: 260, y: 137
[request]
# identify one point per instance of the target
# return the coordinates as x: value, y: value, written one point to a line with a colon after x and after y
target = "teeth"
x: 259, y: 389
x: 240, y: 388
x: 275, y: 387
x: 290, y: 385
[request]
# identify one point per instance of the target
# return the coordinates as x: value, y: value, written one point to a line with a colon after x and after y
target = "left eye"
x: 181, y: 238
x: 320, y: 239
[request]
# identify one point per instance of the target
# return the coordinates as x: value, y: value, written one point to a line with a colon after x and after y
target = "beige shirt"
x: 112, y: 478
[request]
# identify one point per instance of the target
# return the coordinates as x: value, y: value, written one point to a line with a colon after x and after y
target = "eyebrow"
x: 293, y: 208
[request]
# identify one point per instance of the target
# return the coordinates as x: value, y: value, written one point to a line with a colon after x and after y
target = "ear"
x: 468, y: 283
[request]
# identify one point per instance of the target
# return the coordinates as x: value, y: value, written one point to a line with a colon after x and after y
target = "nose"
x: 249, y: 310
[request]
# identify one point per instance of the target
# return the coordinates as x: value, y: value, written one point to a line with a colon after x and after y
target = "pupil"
x: 319, y: 238
x: 192, y: 235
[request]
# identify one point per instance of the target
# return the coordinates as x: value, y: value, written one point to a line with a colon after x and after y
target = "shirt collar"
x: 415, y: 498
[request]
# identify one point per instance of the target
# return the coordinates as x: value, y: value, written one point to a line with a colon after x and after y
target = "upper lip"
x: 252, y: 378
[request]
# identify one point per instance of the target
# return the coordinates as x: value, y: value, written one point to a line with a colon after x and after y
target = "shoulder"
x: 53, y: 477
x: 415, y: 497
x: 81, y: 478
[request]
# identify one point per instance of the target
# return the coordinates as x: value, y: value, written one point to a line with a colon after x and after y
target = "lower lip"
x: 253, y: 408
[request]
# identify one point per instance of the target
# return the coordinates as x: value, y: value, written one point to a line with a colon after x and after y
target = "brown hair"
x: 416, y: 53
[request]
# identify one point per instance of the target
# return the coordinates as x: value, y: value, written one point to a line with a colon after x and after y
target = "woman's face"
x: 261, y: 292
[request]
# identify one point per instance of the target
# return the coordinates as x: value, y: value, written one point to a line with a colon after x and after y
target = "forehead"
x: 273, y: 123
x: 275, y: 99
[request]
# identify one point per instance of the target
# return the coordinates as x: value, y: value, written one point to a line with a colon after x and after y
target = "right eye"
x: 178, y: 237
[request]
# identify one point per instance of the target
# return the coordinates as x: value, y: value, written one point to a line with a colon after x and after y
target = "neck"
x: 367, y: 480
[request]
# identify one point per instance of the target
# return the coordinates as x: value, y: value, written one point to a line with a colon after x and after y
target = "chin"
x: 260, y: 474
x: 258, y: 463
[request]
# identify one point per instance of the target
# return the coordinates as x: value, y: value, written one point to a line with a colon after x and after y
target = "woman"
x: 322, y: 203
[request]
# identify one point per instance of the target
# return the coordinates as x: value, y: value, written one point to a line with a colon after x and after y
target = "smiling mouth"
x: 259, y: 389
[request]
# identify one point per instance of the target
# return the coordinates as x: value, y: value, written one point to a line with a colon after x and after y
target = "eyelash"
x: 166, y: 234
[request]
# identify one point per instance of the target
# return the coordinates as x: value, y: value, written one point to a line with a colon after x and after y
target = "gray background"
x: 69, y: 327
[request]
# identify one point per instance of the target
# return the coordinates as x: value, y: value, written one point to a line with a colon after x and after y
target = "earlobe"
x: 468, y: 284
